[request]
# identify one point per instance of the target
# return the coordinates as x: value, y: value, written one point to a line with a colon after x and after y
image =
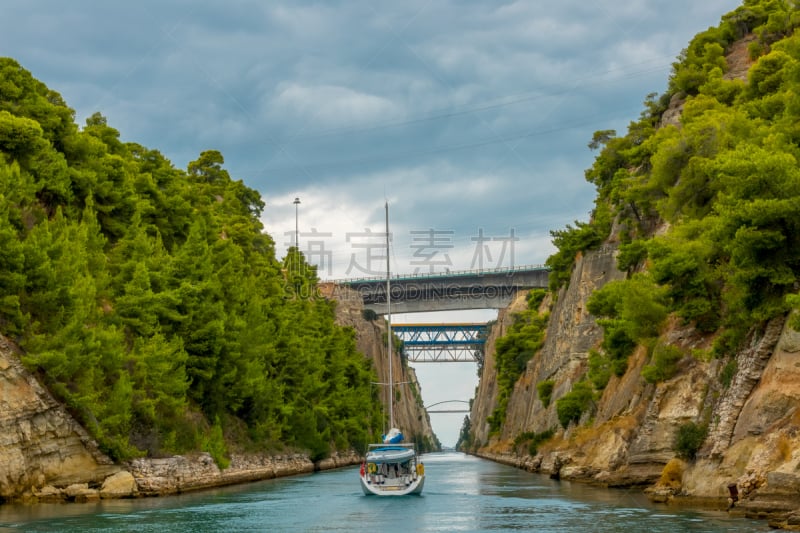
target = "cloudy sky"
x: 470, y: 118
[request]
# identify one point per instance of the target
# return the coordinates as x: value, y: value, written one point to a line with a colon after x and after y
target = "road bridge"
x: 449, y: 291
x: 443, y: 343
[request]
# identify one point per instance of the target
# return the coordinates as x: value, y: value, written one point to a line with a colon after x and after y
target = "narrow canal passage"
x: 462, y: 493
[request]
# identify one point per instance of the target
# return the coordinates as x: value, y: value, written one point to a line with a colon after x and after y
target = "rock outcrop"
x: 41, y: 444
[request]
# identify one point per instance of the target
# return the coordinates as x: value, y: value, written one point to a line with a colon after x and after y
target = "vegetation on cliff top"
x: 151, y: 302
x: 726, y: 180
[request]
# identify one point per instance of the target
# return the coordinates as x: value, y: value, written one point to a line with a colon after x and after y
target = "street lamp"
x: 296, y: 226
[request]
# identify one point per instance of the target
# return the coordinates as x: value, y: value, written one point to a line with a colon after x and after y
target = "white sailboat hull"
x: 394, y: 488
x: 392, y: 470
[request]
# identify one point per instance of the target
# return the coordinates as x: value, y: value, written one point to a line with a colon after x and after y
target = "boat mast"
x: 389, y: 323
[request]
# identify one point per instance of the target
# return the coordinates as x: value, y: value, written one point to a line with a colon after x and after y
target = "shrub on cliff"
x: 535, y: 298
x: 688, y: 439
x: 728, y: 372
x: 600, y: 369
x: 532, y: 440
x: 633, y: 310
x: 630, y: 312
x: 572, y: 405
x: 672, y: 474
x: 544, y: 389
x: 569, y: 242
x: 214, y: 444
x: 664, y: 364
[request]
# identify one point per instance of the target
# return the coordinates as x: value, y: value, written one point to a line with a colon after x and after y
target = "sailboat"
x: 391, y: 467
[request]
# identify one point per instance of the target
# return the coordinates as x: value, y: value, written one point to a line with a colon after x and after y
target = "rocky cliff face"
x: 750, y: 459
x: 40, y: 443
x: 409, y: 412
x: 627, y: 438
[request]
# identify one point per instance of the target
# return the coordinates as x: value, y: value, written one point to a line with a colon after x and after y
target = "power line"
x: 469, y: 109
x: 439, y: 149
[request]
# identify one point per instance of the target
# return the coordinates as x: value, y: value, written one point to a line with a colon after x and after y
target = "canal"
x: 462, y: 493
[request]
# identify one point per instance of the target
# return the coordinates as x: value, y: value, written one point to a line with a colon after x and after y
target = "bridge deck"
x: 439, y: 275
x: 447, y: 291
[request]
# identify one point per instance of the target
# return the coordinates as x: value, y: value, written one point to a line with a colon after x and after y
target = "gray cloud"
x: 423, y: 100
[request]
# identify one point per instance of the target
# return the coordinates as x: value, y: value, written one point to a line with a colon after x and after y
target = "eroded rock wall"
x: 40, y: 443
x: 626, y: 438
x: 571, y: 333
x: 409, y: 412
x: 486, y: 395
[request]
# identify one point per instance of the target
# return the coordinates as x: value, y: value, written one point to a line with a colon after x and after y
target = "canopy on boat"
x: 390, y: 454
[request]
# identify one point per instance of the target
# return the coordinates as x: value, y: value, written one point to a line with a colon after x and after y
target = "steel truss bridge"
x: 442, y: 343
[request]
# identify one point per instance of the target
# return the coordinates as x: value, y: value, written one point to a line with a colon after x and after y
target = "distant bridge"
x: 428, y: 408
x: 449, y: 291
x: 442, y: 343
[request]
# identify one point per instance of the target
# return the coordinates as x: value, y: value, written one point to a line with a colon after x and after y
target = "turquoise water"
x: 461, y: 493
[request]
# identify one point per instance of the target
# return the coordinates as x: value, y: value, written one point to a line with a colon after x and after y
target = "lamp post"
x: 296, y: 226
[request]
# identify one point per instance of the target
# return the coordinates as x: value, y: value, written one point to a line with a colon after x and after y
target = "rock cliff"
x: 626, y: 439
x: 40, y: 443
x: 749, y: 462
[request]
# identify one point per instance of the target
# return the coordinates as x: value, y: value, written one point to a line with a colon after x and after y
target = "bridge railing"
x: 445, y: 274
